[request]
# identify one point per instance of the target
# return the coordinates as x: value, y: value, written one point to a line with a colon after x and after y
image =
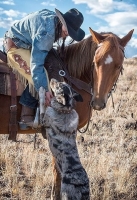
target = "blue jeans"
x: 27, y: 99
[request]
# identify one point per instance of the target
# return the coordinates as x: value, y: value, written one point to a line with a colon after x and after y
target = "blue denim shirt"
x: 36, y: 31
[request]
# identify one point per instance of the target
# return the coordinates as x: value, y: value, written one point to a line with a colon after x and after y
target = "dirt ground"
x: 108, y: 152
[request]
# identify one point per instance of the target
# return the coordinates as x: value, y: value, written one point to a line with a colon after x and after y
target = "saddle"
x: 5, y: 82
x: 12, y: 87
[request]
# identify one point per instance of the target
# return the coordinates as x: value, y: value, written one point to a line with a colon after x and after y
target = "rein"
x: 115, y: 86
x: 63, y: 72
x: 90, y: 106
x: 77, y: 82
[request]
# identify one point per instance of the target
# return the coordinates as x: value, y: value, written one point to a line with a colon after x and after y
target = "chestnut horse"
x: 96, y: 60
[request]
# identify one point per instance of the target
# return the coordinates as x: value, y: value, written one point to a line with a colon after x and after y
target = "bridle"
x: 113, y: 89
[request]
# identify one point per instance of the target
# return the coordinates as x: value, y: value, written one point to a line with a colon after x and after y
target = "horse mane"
x: 110, y: 42
x: 79, y: 57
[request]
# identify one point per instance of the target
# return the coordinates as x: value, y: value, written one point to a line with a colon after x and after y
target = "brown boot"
x: 27, y: 117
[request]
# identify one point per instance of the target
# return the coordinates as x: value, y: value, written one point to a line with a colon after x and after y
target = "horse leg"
x: 56, y: 186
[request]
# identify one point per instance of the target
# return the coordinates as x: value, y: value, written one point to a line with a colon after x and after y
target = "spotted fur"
x: 61, y: 121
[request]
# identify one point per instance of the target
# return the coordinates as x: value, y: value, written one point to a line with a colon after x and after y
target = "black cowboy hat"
x: 72, y: 20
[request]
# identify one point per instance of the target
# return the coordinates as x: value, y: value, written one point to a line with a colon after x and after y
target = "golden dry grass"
x: 108, y: 151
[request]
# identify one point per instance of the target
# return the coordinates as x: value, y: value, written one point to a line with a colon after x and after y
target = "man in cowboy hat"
x: 27, y: 44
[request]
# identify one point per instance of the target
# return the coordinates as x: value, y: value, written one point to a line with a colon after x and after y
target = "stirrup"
x: 25, y: 126
x: 33, y: 124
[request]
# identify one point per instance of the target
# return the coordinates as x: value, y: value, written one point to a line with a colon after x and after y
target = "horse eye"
x: 119, y: 67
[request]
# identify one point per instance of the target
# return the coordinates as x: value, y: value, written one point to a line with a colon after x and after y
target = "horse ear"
x: 96, y: 37
x: 126, y: 38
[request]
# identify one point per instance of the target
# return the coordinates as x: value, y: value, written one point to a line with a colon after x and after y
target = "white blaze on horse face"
x: 108, y: 60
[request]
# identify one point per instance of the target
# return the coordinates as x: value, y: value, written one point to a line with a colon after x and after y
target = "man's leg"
x: 29, y: 105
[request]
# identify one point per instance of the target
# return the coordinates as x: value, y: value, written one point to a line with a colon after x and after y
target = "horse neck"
x: 79, y: 59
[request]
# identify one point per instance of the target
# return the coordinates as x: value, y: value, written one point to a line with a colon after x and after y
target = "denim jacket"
x: 36, y: 31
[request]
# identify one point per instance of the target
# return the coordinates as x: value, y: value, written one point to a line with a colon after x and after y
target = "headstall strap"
x: 115, y: 84
x: 75, y: 81
x: 78, y: 83
x: 13, y: 126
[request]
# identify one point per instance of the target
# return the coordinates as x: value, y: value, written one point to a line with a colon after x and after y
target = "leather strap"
x: 8, y: 44
x: 75, y: 81
x: 13, y: 126
x: 3, y: 56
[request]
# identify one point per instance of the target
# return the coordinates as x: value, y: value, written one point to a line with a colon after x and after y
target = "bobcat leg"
x: 56, y: 186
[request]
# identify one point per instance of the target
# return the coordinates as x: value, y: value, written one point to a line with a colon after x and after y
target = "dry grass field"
x: 108, y: 151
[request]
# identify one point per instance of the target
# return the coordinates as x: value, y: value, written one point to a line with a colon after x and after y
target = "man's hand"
x: 48, y: 97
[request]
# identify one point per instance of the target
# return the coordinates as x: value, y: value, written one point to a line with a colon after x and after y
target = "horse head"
x: 108, y: 60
